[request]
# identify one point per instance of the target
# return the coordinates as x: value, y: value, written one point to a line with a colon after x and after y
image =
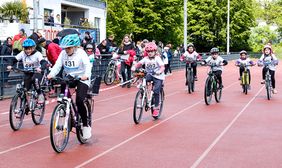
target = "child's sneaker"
x: 274, y: 91
x: 262, y: 82
x: 155, y: 113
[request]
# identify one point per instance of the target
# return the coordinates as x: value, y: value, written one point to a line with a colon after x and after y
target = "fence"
x: 9, y: 80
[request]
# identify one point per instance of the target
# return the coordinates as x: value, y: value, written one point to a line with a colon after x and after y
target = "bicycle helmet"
x: 243, y: 52
x: 70, y: 40
x: 28, y: 43
x: 214, y: 50
x: 267, y: 46
x: 150, y: 47
x: 89, y: 46
x: 190, y: 45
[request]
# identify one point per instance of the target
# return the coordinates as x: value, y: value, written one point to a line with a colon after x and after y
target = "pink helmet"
x: 150, y: 47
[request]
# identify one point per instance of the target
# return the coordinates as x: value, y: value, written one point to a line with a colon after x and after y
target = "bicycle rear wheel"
x: 59, y: 136
x: 208, y: 91
x: 38, y: 112
x: 139, y: 104
x: 218, y: 93
x: 79, y: 127
x: 17, y: 111
x: 161, y: 104
x: 110, y: 76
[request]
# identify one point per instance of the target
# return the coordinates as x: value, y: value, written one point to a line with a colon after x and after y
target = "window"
x: 97, y: 22
x: 47, y: 13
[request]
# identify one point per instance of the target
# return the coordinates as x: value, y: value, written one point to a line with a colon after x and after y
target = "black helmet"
x: 214, y: 50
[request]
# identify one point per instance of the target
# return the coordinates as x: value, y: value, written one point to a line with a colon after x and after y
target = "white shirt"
x: 29, y: 62
x: 77, y: 64
x: 192, y: 55
x: 264, y: 58
x: 216, y: 61
x: 246, y: 61
x: 153, y: 65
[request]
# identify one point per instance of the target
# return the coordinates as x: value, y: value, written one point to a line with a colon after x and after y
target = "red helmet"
x: 150, y: 47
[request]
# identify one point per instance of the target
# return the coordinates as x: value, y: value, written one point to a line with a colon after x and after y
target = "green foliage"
x: 162, y: 20
x: 260, y: 36
x: 15, y: 8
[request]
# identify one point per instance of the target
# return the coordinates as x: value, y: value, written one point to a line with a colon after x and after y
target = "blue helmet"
x: 28, y: 43
x: 70, y: 40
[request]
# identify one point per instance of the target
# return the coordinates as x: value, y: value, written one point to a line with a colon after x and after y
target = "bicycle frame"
x: 148, y: 94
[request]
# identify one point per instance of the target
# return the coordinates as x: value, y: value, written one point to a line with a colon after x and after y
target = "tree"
x: 16, y: 8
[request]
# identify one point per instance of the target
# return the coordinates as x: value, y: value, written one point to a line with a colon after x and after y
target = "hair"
x: 122, y: 43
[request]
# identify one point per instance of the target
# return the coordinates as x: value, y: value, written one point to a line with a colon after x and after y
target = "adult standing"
x: 126, y: 48
x: 103, y: 47
x: 51, y: 19
x: 18, y: 41
x: 6, y: 51
x: 35, y: 36
x: 169, y: 55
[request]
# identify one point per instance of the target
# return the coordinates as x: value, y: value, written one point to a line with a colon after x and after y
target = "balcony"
x: 93, y: 3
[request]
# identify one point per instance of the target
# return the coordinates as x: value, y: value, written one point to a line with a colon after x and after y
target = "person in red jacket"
x: 53, y: 50
x: 19, y: 37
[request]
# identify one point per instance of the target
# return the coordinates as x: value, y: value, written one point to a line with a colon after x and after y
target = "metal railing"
x: 9, y: 80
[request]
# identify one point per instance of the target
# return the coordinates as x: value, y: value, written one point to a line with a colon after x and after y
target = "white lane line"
x: 98, y: 119
x: 4, y: 113
x: 206, y: 152
x: 142, y: 132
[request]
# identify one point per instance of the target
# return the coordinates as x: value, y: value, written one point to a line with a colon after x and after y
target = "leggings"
x: 33, y: 79
x: 128, y: 68
x: 272, y: 73
x: 157, y: 88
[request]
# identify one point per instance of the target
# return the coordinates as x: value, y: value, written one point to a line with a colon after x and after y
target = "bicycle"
x: 111, y: 73
x: 212, y: 86
x: 65, y: 117
x: 144, y: 98
x: 20, y: 105
x: 245, y: 79
x: 268, y: 83
x: 190, y: 80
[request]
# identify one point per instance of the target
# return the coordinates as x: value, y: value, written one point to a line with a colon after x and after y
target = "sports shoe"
x: 186, y: 83
x: 274, y: 91
x: 41, y: 99
x: 195, y: 78
x: 262, y: 82
x: 239, y: 78
x: 128, y: 85
x: 155, y: 113
x: 86, y: 131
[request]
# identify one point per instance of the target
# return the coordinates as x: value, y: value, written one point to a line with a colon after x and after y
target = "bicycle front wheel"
x: 17, y: 111
x: 59, y: 135
x: 268, y: 89
x: 208, y: 91
x: 138, y: 106
x: 110, y: 76
x: 38, y: 113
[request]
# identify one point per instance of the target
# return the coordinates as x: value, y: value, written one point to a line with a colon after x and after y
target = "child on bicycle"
x: 32, y: 59
x: 189, y: 55
x: 154, y: 67
x: 76, y: 63
x: 268, y: 57
x: 218, y: 61
x: 244, y: 60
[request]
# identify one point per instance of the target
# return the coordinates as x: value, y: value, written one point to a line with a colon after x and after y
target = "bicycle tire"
x: 161, y: 103
x: 34, y: 115
x: 208, y: 91
x: 55, y: 126
x: 188, y: 81
x: 218, y: 93
x: 109, y: 76
x: 268, y: 89
x: 16, y: 126
x: 79, y: 127
x: 192, y: 83
x: 138, y: 108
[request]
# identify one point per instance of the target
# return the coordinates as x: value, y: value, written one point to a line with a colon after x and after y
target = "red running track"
x: 240, y: 131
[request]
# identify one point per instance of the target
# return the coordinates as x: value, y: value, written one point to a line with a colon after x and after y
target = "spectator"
x: 160, y: 47
x: 169, y: 55
x: 111, y: 44
x: 87, y: 39
x: 103, y: 48
x: 17, y: 42
x: 50, y: 19
x: 126, y: 48
x: 35, y: 36
x: 58, y: 20
x: 7, y: 52
x: 53, y: 50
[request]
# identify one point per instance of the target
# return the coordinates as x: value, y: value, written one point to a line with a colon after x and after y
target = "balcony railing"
x: 93, y: 3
